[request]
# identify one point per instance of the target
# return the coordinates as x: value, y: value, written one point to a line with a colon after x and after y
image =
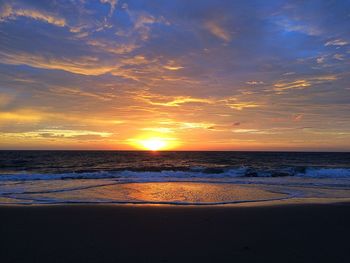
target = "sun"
x: 153, y: 144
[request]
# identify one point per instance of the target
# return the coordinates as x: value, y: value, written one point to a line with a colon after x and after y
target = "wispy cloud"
x: 303, y: 83
x: 298, y: 117
x: 339, y: 56
x: 320, y: 60
x: 112, y: 47
x: 172, y: 65
x: 7, y: 12
x: 298, y: 26
x: 254, y: 82
x: 336, y: 42
x: 112, y: 3
x: 253, y: 131
x: 235, y: 103
x: 175, y: 102
x: 20, y: 116
x: 217, y: 30
x: 59, y: 134
x: 82, y: 65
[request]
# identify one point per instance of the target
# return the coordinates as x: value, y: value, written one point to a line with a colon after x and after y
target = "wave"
x: 193, y: 174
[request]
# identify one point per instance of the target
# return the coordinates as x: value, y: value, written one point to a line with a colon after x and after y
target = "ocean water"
x: 47, y: 177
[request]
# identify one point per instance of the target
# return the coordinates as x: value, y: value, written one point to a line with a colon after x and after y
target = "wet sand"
x: 140, y: 233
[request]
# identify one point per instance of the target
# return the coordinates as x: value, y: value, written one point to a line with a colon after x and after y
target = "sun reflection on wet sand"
x: 170, y: 192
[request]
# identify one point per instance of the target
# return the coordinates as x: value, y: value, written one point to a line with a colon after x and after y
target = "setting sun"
x: 154, y: 144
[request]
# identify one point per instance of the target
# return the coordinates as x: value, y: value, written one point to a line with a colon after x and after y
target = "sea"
x: 172, y: 177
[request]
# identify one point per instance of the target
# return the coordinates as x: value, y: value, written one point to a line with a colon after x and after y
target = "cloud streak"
x: 8, y: 12
x: 218, y: 31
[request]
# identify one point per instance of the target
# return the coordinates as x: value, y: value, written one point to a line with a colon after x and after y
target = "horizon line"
x: 140, y: 150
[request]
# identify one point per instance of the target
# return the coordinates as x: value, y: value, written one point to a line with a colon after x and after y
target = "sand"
x: 143, y: 233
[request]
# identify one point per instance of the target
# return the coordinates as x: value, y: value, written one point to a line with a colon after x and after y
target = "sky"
x: 188, y: 75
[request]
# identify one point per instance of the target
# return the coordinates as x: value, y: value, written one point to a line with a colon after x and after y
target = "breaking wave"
x: 192, y: 174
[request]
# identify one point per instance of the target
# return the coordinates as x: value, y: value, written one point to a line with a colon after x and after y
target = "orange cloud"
x: 303, y: 83
x: 171, y: 101
x: 20, y: 116
x: 83, y: 65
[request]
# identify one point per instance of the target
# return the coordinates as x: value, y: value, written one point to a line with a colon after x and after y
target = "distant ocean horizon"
x: 160, y: 151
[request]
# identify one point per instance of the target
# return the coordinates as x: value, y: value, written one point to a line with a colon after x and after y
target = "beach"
x: 175, y: 233
x: 62, y: 207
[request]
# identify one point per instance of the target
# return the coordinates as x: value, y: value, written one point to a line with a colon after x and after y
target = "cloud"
x: 338, y: 57
x: 243, y: 105
x: 253, y: 82
x: 218, y: 31
x: 8, y: 12
x: 177, y: 101
x: 113, y: 47
x: 297, y: 84
x: 303, y: 83
x: 288, y: 73
x: 336, y: 42
x: 179, y: 125
x: 320, y: 60
x: 58, y: 134
x: 61, y: 133
x: 297, y: 26
x: 129, y: 67
x: 253, y: 131
x: 20, y: 116
x: 236, y: 104
x: 112, y: 3
x: 143, y: 21
x: 171, y: 65
x: 69, y: 92
x: 297, y: 117
x: 83, y: 65
x: 136, y: 68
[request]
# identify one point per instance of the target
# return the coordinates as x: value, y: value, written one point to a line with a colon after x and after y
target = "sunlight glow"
x: 154, y: 144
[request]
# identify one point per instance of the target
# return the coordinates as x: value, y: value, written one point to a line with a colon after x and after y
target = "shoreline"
x: 290, y: 202
x: 167, y: 233
x: 100, y: 192
x: 249, y: 204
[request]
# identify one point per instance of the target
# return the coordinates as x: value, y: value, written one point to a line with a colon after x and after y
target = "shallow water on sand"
x: 185, y: 193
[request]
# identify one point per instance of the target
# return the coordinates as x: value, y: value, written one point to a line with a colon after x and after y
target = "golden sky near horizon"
x: 201, y: 75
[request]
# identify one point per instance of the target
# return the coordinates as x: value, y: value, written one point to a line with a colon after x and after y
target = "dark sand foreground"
x: 83, y: 233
